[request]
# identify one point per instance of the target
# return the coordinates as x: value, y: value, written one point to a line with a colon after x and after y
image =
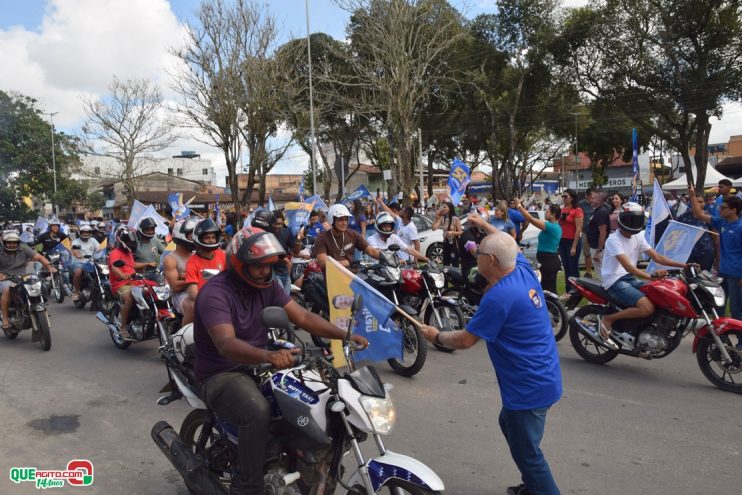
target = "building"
x: 578, y: 175
x: 729, y: 157
x: 188, y: 165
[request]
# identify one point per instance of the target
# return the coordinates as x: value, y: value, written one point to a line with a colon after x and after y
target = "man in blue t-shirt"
x: 729, y: 226
x: 514, y: 322
x: 518, y: 220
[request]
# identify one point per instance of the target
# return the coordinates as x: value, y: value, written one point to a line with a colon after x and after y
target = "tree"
x: 669, y: 65
x: 95, y: 201
x: 126, y: 125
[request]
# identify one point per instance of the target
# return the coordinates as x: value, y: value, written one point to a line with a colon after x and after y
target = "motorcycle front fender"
x: 389, y: 466
x: 720, y: 325
x: 408, y: 309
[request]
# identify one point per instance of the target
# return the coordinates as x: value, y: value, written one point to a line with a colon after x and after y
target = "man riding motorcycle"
x: 83, y: 246
x: 150, y: 248
x: 50, y: 239
x: 13, y: 261
x: 174, y: 266
x: 99, y: 233
x: 340, y: 243
x: 228, y: 333
x: 385, y: 237
x: 619, y: 271
x: 208, y: 256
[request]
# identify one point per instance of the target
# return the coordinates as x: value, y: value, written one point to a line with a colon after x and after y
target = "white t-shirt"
x: 408, y: 233
x: 86, y: 248
x: 379, y: 243
x: 616, y: 244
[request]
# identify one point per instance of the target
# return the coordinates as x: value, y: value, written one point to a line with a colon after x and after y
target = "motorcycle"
x: 94, y: 286
x: 421, y: 289
x: 54, y: 284
x: 681, y: 300
x: 150, y: 317
x: 28, y: 310
x: 319, y: 416
x: 468, y: 292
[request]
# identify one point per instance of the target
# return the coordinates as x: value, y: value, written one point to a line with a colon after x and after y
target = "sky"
x: 62, y: 52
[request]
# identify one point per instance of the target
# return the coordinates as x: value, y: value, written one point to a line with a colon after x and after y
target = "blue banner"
x: 361, y: 192
x: 458, y: 179
x: 676, y: 243
x: 180, y: 211
x: 635, y: 161
x: 297, y: 214
x: 271, y: 205
x: 41, y: 225
x: 317, y: 203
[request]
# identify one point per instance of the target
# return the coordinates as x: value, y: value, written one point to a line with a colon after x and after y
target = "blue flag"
x: 301, y: 190
x: 458, y: 179
x: 180, y: 211
x: 297, y: 214
x: 271, y: 205
x: 676, y: 243
x: 361, y: 192
x: 635, y: 161
x: 659, y: 212
x: 317, y: 203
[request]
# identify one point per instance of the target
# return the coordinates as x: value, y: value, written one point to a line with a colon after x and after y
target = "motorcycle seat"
x: 594, y: 286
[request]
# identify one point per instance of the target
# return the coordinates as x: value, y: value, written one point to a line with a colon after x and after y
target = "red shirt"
x: 126, y: 257
x: 567, y: 221
x: 196, y: 263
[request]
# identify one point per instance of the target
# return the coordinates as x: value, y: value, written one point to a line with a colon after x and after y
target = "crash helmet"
x: 126, y: 238
x: 54, y: 221
x: 337, y: 211
x: 86, y: 231
x: 181, y: 231
x: 147, y: 227
x: 101, y: 227
x: 250, y: 246
x: 11, y: 236
x: 385, y: 224
x: 631, y: 217
x: 263, y: 219
x: 206, y: 226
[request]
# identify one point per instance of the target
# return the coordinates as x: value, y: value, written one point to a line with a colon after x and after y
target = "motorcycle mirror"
x: 394, y: 248
x: 274, y: 317
x: 119, y: 263
x: 209, y: 272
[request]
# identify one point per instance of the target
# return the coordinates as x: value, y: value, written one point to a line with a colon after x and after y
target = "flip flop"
x: 605, y: 335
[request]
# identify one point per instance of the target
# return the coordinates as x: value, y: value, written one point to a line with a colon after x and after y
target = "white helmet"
x: 337, y: 211
x: 184, y: 344
x: 54, y: 221
x: 86, y: 228
x: 631, y: 217
x: 382, y: 220
x: 11, y: 236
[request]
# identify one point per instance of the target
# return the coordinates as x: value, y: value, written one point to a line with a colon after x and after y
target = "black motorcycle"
x: 28, y: 310
x: 94, y: 286
x: 54, y: 284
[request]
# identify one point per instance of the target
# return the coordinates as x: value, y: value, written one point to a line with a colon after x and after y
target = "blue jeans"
x: 285, y: 281
x: 734, y: 293
x: 523, y: 431
x: 570, y: 263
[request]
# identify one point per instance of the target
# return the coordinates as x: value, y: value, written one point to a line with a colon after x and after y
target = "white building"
x: 187, y: 165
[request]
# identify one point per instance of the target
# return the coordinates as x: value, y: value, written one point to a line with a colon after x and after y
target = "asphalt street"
x: 630, y: 427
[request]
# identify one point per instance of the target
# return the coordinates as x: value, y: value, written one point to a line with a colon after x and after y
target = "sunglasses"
x: 480, y: 253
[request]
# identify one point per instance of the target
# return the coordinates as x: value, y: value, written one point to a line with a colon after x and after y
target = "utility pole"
x: 577, y: 157
x: 422, y: 186
x: 342, y: 177
x: 54, y: 166
x: 311, y: 104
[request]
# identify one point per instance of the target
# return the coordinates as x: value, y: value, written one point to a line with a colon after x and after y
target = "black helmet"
x: 147, y: 224
x: 631, y: 217
x: 181, y: 231
x: 206, y: 226
x: 263, y: 219
x: 126, y: 239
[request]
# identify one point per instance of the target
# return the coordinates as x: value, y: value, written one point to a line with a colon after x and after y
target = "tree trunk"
x: 703, y: 130
x: 233, y: 183
x: 430, y: 174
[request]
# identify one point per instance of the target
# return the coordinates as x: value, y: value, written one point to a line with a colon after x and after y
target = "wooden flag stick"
x: 410, y: 318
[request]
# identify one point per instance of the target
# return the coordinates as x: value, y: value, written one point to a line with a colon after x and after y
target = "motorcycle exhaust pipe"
x: 106, y: 321
x: 191, y: 467
x: 592, y: 333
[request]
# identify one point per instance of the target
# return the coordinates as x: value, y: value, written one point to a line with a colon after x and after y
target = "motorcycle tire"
x: 395, y: 486
x: 189, y: 433
x: 414, y: 349
x: 557, y: 315
x: 453, y: 319
x: 45, y: 336
x: 582, y: 343
x: 708, y: 354
x: 80, y: 303
x: 58, y: 292
x: 118, y: 341
x: 11, y: 334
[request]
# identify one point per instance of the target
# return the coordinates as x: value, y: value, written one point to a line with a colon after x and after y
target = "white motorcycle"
x: 319, y: 416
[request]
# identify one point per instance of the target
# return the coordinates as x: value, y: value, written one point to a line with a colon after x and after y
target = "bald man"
x: 513, y: 320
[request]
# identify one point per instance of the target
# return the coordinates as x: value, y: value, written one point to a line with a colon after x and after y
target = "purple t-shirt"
x: 227, y: 299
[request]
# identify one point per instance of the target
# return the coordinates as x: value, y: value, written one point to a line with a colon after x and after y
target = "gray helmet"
x: 11, y: 236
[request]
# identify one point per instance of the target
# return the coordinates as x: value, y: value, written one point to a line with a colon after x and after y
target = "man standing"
x: 598, y: 228
x: 725, y: 192
x: 586, y: 204
x: 518, y: 220
x: 514, y: 322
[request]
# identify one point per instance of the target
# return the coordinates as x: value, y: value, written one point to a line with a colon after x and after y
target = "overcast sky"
x: 61, y: 51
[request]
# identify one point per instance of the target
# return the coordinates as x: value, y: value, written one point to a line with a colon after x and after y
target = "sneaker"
x: 518, y: 490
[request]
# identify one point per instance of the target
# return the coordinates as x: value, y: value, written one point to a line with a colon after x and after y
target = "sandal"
x: 605, y: 335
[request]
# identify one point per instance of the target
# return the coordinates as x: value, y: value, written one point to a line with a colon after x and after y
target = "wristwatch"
x: 437, y: 340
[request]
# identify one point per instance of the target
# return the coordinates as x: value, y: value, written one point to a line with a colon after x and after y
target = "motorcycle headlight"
x: 394, y: 272
x: 439, y: 279
x: 33, y: 289
x: 162, y: 291
x: 381, y: 412
x: 103, y: 268
x: 718, y: 294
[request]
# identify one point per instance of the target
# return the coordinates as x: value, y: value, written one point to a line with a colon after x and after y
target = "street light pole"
x: 54, y: 166
x: 577, y: 157
x: 311, y: 103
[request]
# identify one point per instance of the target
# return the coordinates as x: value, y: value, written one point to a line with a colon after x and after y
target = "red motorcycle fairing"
x: 165, y: 313
x: 312, y: 267
x: 670, y: 294
x: 721, y: 326
x: 590, y: 296
x: 412, y: 281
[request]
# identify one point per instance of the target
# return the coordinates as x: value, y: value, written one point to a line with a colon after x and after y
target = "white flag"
x: 660, y: 210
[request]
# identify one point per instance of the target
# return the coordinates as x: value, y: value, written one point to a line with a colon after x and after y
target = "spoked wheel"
x: 435, y: 253
x: 58, y: 291
x: 45, y: 336
x: 452, y: 318
x: 558, y: 315
x: 414, y: 349
x: 727, y: 376
x: 586, y: 347
x: 118, y: 340
x: 192, y: 429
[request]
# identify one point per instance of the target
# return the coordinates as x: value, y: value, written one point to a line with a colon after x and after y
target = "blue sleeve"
x: 717, y: 222
x: 510, y: 226
x: 489, y: 318
x: 517, y: 216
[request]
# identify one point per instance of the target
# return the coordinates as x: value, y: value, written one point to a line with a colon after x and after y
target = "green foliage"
x: 95, y: 201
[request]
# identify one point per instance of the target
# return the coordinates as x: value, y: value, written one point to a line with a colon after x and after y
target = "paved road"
x: 629, y: 427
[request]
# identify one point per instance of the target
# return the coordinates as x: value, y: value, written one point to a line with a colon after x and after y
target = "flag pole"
x: 406, y: 315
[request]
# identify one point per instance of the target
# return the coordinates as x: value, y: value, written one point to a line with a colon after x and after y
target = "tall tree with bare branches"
x: 126, y: 125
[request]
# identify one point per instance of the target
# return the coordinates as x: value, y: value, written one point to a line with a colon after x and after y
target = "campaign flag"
x: 41, y: 225
x: 103, y: 244
x: 217, y: 211
x: 676, y: 243
x: 271, y: 205
x: 660, y: 212
x: 635, y: 162
x: 297, y: 214
x: 301, y: 190
x: 361, y: 192
x: 180, y: 211
x: 137, y: 209
x: 67, y: 244
x: 371, y: 321
x: 317, y: 203
x: 458, y: 179
x: 161, y: 229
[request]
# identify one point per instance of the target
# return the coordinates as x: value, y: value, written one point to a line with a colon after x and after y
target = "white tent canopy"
x: 712, y: 179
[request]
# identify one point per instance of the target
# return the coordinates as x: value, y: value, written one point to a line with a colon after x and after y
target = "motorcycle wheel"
x: 395, y: 487
x: 10, y: 334
x: 58, y: 291
x: 42, y: 320
x: 190, y: 430
x: 414, y: 349
x: 463, y: 301
x: 80, y: 303
x: 452, y: 319
x: 557, y: 315
x: 435, y: 252
x: 118, y: 341
x: 709, y: 360
x: 587, y: 348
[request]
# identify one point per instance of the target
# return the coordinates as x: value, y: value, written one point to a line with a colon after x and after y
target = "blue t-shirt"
x: 502, y: 225
x: 355, y: 225
x: 514, y: 321
x: 548, y: 239
x: 731, y: 246
x: 229, y: 230
x: 517, y: 218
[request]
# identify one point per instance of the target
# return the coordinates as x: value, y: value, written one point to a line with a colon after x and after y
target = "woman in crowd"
x: 500, y: 219
x: 446, y: 219
x: 570, y: 246
x: 370, y: 219
x: 616, y: 202
x: 548, y: 243
x: 358, y: 220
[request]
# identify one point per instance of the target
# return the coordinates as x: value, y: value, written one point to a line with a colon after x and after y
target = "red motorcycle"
x: 681, y: 300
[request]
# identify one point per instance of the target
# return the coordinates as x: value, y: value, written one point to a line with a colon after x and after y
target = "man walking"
x: 514, y: 322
